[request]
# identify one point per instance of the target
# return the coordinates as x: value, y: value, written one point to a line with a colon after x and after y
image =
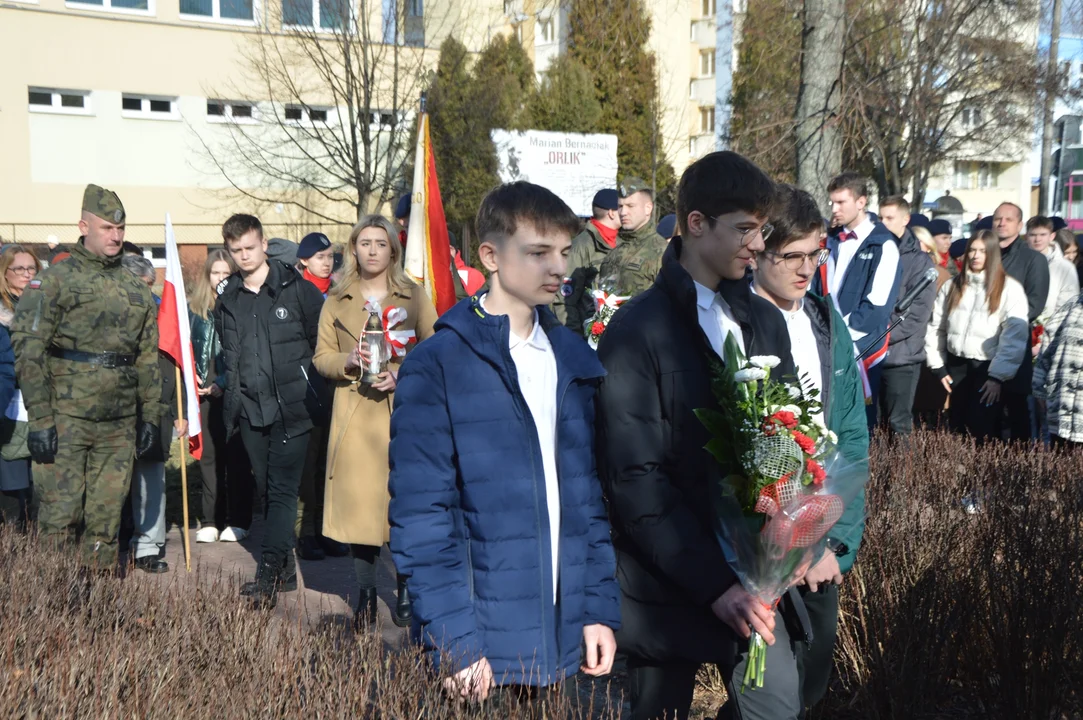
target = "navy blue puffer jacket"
x: 469, y: 521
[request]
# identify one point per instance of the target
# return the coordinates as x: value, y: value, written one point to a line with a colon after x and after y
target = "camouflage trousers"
x: 87, y: 485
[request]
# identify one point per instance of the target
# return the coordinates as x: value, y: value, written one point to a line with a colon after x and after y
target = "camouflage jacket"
x: 573, y: 304
x: 634, y: 264
x: 89, y: 304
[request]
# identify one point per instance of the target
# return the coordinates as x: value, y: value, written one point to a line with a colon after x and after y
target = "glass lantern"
x: 373, y: 339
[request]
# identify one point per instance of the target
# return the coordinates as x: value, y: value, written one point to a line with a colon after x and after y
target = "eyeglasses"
x: 796, y: 260
x: 764, y: 230
x: 24, y: 270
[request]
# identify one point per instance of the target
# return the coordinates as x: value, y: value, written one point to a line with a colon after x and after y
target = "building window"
x: 72, y: 102
x: 141, y: 7
x: 706, y: 120
x: 710, y: 8
x: 415, y: 8
x: 224, y: 111
x: 301, y: 113
x: 706, y: 63
x: 546, y: 30
x: 972, y: 117
x: 691, y: 89
x: 148, y: 106
x: 241, y: 10
x: 322, y: 14
x: 987, y: 175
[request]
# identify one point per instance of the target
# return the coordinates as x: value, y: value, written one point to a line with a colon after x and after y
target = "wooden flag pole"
x: 184, y: 474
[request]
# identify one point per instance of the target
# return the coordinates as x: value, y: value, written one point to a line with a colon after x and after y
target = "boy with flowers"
x: 681, y: 602
x: 822, y: 351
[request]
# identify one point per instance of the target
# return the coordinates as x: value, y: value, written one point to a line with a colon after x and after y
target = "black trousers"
x: 1018, y: 411
x: 968, y: 414
x: 278, y: 460
x: 226, y: 472
x: 898, y: 385
x: 872, y: 403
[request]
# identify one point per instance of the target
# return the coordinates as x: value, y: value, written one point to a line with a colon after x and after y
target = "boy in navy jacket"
x: 496, y: 510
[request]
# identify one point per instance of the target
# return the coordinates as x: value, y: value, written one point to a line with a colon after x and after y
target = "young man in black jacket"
x: 681, y: 602
x: 268, y: 317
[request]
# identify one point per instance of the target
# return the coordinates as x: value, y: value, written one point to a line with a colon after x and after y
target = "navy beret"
x: 312, y: 244
x: 958, y: 248
x: 605, y: 199
x: 939, y: 226
x: 918, y: 220
x: 402, y: 209
x: 667, y: 226
x: 1058, y: 223
x: 986, y: 223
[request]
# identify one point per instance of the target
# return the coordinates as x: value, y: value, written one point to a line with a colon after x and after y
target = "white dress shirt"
x: 536, y: 366
x: 804, y: 349
x: 847, y: 250
x: 717, y: 320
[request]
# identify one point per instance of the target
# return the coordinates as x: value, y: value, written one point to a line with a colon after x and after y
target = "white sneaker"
x: 207, y: 534
x: 233, y: 534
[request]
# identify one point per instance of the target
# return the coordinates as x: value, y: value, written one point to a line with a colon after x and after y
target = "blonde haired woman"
x: 978, y: 336
x: 356, y: 496
x: 226, y: 510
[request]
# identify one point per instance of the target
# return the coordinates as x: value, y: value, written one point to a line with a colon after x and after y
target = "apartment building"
x: 140, y: 95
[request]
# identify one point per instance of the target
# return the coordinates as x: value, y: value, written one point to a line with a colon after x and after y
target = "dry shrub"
x: 951, y: 613
x: 109, y: 648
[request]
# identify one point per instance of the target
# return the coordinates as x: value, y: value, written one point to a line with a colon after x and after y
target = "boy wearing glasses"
x: 681, y: 603
x: 823, y: 353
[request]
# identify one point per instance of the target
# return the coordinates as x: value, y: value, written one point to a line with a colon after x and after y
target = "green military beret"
x: 103, y: 203
x: 631, y: 185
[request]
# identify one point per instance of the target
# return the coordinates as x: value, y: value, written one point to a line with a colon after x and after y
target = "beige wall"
x: 155, y: 165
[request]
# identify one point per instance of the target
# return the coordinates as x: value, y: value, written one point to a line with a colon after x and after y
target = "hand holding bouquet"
x: 787, y: 483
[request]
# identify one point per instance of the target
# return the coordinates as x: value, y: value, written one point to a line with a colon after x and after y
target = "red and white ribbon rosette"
x: 397, y: 340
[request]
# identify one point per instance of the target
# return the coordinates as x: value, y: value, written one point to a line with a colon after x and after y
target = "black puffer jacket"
x: 654, y: 469
x: 907, y: 343
x: 293, y: 325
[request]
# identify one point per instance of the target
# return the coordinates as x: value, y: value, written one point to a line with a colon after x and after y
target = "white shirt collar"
x: 705, y: 296
x: 864, y: 229
x: 785, y: 313
x: 537, y: 338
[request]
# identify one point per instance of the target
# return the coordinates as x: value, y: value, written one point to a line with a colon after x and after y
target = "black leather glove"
x: 148, y: 443
x: 42, y: 445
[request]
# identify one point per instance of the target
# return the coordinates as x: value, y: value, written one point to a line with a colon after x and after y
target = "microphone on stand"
x: 908, y: 299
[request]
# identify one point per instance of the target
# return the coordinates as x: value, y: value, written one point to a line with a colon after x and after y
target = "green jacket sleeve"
x: 146, y: 365
x: 848, y: 420
x: 31, y: 335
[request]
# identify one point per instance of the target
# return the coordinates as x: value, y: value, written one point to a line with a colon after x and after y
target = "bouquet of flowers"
x: 606, y: 302
x: 788, y: 484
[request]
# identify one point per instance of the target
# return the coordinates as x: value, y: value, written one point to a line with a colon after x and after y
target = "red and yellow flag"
x: 428, y: 250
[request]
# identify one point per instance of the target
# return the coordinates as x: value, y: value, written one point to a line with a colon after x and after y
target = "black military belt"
x: 105, y: 359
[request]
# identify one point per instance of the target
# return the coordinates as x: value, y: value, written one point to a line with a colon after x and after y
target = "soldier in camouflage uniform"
x: 632, y: 266
x: 574, y: 304
x: 86, y: 342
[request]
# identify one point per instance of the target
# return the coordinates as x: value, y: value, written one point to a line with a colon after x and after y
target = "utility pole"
x: 1052, y: 85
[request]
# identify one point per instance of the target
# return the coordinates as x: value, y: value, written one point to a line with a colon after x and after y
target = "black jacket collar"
x: 678, y: 284
x: 279, y: 275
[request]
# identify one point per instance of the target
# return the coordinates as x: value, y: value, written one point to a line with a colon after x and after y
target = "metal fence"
x: 153, y: 234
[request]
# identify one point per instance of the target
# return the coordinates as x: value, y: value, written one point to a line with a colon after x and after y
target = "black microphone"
x: 908, y: 299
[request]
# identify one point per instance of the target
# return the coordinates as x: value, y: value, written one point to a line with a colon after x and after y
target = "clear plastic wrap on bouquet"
x: 772, y: 548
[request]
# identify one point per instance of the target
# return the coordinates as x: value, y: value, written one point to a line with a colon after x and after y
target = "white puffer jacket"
x: 970, y: 331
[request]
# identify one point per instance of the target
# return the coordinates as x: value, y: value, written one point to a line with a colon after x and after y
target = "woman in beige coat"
x: 356, y: 497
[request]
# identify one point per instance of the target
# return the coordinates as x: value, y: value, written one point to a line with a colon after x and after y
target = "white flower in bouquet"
x: 764, y: 361
x: 832, y: 437
x: 794, y: 391
x: 749, y: 375
x: 797, y: 412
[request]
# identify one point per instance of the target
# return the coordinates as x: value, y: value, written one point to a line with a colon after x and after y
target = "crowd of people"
x: 544, y: 503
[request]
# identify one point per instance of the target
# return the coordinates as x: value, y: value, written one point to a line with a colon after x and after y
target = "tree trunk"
x: 819, y: 140
x: 1045, y: 205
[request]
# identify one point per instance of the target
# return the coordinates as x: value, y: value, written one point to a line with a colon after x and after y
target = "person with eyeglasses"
x: 18, y: 266
x: 823, y: 354
x: 681, y: 602
x: 862, y: 275
x: 631, y: 267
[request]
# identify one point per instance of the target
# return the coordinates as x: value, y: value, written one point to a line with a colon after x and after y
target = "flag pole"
x: 184, y: 474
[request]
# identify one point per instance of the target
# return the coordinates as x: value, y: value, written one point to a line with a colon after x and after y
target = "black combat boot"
x: 365, y: 615
x: 287, y: 581
x: 268, y: 583
x: 404, y: 609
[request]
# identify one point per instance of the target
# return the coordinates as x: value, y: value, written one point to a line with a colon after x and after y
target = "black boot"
x: 309, y: 549
x: 268, y: 583
x: 287, y: 581
x: 404, y: 609
x: 365, y: 614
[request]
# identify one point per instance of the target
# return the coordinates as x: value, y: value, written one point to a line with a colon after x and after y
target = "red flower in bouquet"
x: 597, y: 328
x: 817, y: 471
x: 1036, y: 332
x: 807, y: 444
x: 787, y: 418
